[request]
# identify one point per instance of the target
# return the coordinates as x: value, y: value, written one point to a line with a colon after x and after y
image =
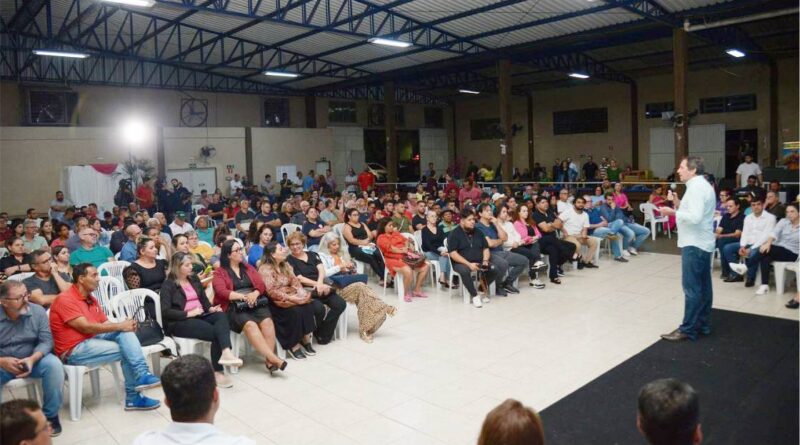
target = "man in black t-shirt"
x: 270, y: 218
x: 216, y: 208
x: 729, y: 229
x: 469, y: 252
x: 46, y: 283
x: 419, y: 220
x: 590, y: 169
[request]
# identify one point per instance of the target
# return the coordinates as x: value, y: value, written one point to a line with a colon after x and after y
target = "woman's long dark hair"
x: 225, y: 253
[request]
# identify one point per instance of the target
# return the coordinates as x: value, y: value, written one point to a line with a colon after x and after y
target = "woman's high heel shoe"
x: 272, y: 368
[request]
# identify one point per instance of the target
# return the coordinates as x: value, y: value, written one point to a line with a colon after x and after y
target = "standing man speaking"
x: 695, y: 217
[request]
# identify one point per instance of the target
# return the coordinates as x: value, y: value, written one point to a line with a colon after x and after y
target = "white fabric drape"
x: 82, y: 184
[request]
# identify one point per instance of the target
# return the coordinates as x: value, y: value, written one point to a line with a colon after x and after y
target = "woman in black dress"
x: 359, y: 243
x: 290, y: 303
x: 151, y: 271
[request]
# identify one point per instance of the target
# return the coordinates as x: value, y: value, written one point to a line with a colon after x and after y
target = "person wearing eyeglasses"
x: 46, y: 283
x: 83, y: 335
x: 26, y: 344
x: 22, y: 422
x: 89, y: 251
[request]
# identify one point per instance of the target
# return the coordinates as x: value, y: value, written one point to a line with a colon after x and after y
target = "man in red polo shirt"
x: 366, y: 179
x: 471, y: 192
x: 84, y: 336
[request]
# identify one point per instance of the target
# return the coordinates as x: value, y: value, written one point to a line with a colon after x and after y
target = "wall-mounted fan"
x: 207, y: 152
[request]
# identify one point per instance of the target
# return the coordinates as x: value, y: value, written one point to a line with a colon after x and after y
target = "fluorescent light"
x: 579, y: 75
x: 58, y: 53
x: 735, y: 53
x: 389, y: 42
x: 469, y: 92
x: 280, y: 74
x: 140, y: 3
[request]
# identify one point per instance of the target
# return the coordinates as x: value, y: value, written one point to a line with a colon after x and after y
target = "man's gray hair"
x: 5, y: 288
x: 695, y: 163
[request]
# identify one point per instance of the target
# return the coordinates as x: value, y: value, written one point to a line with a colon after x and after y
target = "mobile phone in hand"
x: 24, y: 367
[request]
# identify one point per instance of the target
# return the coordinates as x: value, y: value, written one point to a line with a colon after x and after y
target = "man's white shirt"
x: 574, y: 222
x: 746, y: 170
x: 177, y: 433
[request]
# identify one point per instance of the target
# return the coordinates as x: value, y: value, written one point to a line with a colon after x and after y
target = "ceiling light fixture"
x: 735, y: 53
x: 469, y: 91
x: 389, y: 42
x: 59, y: 53
x: 579, y: 75
x: 139, y: 3
x: 280, y: 74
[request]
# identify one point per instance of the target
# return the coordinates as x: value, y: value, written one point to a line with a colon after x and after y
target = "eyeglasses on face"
x: 24, y: 296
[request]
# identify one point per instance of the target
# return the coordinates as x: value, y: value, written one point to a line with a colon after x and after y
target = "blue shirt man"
x: 308, y: 181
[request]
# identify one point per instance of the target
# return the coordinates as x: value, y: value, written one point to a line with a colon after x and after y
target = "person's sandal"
x: 392, y: 311
x: 366, y: 337
x: 555, y: 280
x: 445, y: 284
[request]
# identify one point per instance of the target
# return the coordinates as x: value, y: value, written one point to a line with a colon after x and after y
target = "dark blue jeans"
x: 696, y: 271
x: 723, y: 260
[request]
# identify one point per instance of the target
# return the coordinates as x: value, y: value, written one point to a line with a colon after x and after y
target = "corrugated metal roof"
x: 682, y: 5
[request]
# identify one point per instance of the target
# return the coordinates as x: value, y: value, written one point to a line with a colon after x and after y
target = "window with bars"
x: 50, y: 107
x: 654, y: 110
x: 342, y: 112
x: 728, y: 104
x: 276, y: 112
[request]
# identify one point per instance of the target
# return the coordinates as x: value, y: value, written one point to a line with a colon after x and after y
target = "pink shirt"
x: 192, y: 302
x: 621, y: 199
x: 474, y: 195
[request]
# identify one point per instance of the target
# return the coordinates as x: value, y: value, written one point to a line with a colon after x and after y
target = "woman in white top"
x: 351, y: 181
x: 340, y: 269
x: 528, y: 248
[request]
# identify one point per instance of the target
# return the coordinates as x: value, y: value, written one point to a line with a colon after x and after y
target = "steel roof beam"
x: 26, y: 14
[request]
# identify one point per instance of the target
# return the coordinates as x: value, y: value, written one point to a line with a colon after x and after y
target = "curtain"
x: 84, y: 184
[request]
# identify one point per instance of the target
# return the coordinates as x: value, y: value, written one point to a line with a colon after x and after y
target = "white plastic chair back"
x: 3, y: 252
x: 203, y: 243
x: 113, y: 269
x: 339, y: 230
x: 647, y: 210
x: 418, y: 239
x: 20, y: 276
x: 413, y: 240
x: 107, y: 289
x: 126, y: 304
x: 288, y: 228
x: 196, y: 208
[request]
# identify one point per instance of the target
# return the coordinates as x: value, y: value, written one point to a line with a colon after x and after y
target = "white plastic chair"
x: 599, y: 241
x: 239, y: 340
x: 20, y: 276
x: 126, y: 305
x: 338, y: 228
x: 433, y: 266
x: 107, y: 289
x: 464, y: 294
x: 398, y: 279
x: 196, y: 208
x: 203, y: 243
x: 288, y: 228
x: 74, y: 382
x: 3, y: 252
x: 113, y: 269
x: 648, y: 210
x: 32, y: 385
x: 780, y: 273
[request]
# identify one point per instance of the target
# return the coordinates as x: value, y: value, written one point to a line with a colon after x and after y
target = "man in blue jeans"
x: 84, y: 336
x: 25, y: 346
x: 633, y: 235
x: 600, y: 228
x: 695, y: 218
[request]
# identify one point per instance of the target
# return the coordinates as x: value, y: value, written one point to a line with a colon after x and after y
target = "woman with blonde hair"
x: 340, y: 269
x: 511, y: 423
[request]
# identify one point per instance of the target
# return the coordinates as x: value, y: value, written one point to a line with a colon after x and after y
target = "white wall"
x: 182, y: 147
x: 301, y: 147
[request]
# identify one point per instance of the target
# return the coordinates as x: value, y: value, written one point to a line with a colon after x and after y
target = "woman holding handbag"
x: 433, y: 238
x: 186, y: 312
x: 239, y: 291
x: 352, y: 286
x: 359, y: 243
x: 400, y: 259
x: 289, y: 302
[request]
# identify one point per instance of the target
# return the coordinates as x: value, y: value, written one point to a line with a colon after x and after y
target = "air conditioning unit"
x: 50, y: 107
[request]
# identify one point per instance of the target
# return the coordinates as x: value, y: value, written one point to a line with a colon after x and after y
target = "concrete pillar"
x: 680, y: 59
x: 391, y: 131
x: 506, y: 149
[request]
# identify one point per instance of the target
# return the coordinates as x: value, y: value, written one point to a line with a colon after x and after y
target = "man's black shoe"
x: 750, y: 283
x: 675, y: 335
x: 508, y: 287
x: 734, y: 279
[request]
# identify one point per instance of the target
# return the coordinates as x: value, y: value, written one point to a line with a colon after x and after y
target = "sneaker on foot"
x: 739, y: 268
x: 485, y: 299
x: 476, y: 301
x: 55, y: 426
x: 539, y: 264
x: 633, y: 251
x: 222, y: 380
x: 147, y: 381
x: 537, y: 284
x: 763, y: 289
x: 621, y: 259
x: 141, y: 403
x: 626, y: 254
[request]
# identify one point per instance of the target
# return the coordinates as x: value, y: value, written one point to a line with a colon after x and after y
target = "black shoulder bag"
x: 148, y: 330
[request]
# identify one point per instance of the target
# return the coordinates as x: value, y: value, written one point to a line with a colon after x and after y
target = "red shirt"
x: 145, y: 196
x: 68, y: 306
x: 365, y: 180
x: 474, y: 194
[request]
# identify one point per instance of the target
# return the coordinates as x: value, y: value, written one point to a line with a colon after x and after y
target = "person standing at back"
x: 190, y: 392
x: 695, y: 218
x: 746, y: 169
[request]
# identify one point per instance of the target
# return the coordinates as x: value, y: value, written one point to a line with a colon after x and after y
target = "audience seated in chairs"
x: 61, y: 258
x: 147, y: 271
x: 22, y: 422
x: 314, y: 229
x: 756, y: 229
x: 129, y: 252
x: 469, y: 253
x: 576, y: 231
x: 204, y: 230
x: 289, y: 301
x: 433, y: 237
x: 89, y: 251
x: 240, y: 292
x: 200, y: 268
x: 205, y: 251
x: 394, y: 247
x: 511, y: 423
x: 360, y: 243
x: 522, y: 239
x: 193, y: 400
x: 17, y: 261
x: 309, y: 270
x: 352, y: 287
x: 600, y: 228
x: 84, y: 336
x: 263, y: 236
x: 558, y: 251
x: 26, y: 347
x: 186, y: 312
x: 46, y: 282
x: 669, y: 413
x: 782, y: 244
x: 729, y: 230
x: 633, y: 235
x: 509, y: 265
x: 31, y: 239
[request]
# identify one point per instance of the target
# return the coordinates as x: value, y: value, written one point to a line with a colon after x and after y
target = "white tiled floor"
x: 439, y: 366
